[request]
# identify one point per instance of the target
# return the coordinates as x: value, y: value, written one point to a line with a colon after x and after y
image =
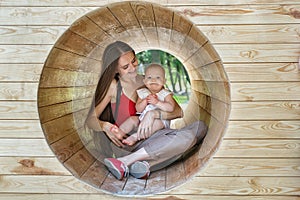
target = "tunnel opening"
x: 71, y: 73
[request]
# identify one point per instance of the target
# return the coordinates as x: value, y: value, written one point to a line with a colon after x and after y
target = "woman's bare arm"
x: 94, y: 123
x: 177, y: 113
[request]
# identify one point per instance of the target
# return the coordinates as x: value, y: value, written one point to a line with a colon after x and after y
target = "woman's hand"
x: 145, y: 127
x: 112, y: 132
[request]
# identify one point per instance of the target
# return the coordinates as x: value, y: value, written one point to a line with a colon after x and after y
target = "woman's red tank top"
x: 126, y: 109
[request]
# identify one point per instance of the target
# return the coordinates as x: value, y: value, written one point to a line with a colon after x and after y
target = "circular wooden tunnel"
x: 72, y: 70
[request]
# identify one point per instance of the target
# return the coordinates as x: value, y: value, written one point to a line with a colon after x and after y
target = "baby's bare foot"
x: 131, y: 140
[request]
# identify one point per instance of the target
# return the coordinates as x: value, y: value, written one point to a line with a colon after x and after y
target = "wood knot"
x: 82, y: 157
x: 189, y: 12
x: 27, y: 163
x: 287, y: 68
x: 295, y: 13
x: 249, y: 54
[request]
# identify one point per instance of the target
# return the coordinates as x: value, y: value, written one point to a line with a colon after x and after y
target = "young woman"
x: 115, y: 100
x: 152, y: 96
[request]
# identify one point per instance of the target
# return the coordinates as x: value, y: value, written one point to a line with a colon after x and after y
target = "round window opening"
x: 177, y: 78
x: 71, y: 73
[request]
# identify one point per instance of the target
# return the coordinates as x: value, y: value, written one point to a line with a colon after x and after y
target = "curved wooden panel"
x: 72, y: 70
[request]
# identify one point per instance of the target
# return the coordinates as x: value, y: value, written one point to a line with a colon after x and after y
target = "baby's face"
x: 155, y: 78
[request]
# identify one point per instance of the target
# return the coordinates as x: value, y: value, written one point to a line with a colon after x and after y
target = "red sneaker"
x: 116, y: 167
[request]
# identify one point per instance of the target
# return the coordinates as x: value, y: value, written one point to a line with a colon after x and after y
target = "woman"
x: 115, y: 100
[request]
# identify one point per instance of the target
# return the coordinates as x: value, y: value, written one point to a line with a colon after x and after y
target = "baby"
x: 154, y: 96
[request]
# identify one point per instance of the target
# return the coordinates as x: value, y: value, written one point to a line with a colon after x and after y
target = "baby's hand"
x: 152, y: 99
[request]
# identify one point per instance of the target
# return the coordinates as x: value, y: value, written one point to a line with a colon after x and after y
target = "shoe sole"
x: 140, y: 170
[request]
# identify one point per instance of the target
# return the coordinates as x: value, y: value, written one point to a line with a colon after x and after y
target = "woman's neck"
x: 129, y: 86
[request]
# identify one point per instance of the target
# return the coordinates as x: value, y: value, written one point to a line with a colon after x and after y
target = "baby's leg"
x: 129, y: 124
x: 157, y: 125
x: 132, y: 139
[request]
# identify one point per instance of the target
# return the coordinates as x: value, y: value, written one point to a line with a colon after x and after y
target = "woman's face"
x: 127, y: 67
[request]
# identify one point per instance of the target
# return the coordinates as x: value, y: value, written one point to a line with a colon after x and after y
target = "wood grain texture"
x: 134, y: 186
x: 230, y: 53
x: 89, y: 30
x: 18, y: 110
x: 258, y: 42
x: 265, y: 91
x: 263, y: 129
x: 248, y: 14
x: 157, y: 182
x: 20, y: 72
x: 259, y: 53
x: 263, y: 72
x: 240, y: 92
x: 252, y: 167
x: 157, y: 197
x: 95, y: 175
x: 252, y: 33
x: 146, y: 19
x: 259, y: 148
x: 241, y: 14
x: 52, y: 112
x: 162, y: 2
x: 67, y: 146
x: 63, y: 126
x: 241, y: 186
x: 216, y: 167
x: 106, y: 21
x: 41, y: 15
x: 24, y: 147
x: 24, y: 54
x: 241, y: 72
x: 238, y: 186
x: 175, y: 175
x: 269, y: 110
x: 20, y: 129
x: 18, y: 91
x: 76, y: 43
x: 50, y: 96
x: 228, y: 2
x: 163, y: 19
x: 44, y: 184
x: 31, y: 166
x: 236, y: 129
x: 64, y: 78
x: 30, y: 34
x: 80, y: 162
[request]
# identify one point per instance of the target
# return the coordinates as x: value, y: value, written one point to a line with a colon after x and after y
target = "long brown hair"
x: 110, y: 60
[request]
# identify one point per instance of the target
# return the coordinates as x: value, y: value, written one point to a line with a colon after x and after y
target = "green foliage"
x: 178, y: 80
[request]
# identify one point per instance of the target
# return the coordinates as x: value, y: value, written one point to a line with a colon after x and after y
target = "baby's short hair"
x: 155, y: 65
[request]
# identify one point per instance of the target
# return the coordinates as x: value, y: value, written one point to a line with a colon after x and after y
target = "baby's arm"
x: 167, y: 105
x: 140, y: 104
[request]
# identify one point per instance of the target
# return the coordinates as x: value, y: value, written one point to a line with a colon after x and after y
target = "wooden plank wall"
x: 259, y: 43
